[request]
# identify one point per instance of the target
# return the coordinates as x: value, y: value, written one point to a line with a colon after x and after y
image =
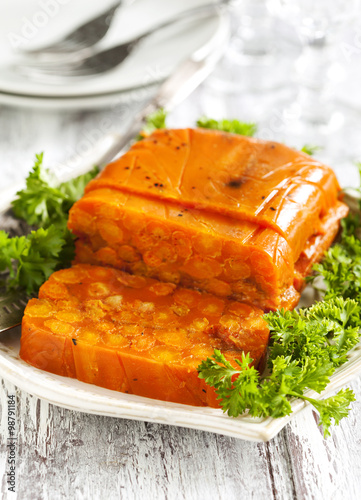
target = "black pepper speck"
x: 235, y: 183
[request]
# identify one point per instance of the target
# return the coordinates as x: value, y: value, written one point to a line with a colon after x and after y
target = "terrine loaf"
x: 136, y: 335
x: 231, y: 215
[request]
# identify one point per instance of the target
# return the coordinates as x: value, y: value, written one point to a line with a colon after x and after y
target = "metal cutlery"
x: 12, y: 309
x: 87, y: 63
x: 83, y: 37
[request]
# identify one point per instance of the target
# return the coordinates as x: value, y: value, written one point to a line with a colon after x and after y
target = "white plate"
x: 75, y: 395
x: 153, y: 61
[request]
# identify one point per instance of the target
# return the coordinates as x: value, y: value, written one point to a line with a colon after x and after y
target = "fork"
x: 107, y: 59
x: 12, y: 310
x: 83, y: 37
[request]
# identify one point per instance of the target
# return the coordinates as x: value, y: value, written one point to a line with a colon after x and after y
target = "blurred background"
x: 74, y: 71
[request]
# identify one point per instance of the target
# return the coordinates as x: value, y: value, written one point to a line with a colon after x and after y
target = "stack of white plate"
x: 28, y: 24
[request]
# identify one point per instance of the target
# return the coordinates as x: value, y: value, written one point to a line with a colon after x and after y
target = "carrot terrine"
x: 135, y: 334
x: 234, y: 216
x: 182, y: 244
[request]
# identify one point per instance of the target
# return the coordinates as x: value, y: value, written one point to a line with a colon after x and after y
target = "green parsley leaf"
x: 335, y: 407
x: 154, y: 121
x: 327, y: 330
x: 43, y: 202
x: 31, y: 259
x: 232, y: 126
x: 341, y: 266
x: 40, y: 203
x: 310, y: 149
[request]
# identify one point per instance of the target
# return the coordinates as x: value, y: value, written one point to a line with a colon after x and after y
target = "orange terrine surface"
x: 234, y: 216
x: 245, y: 178
x: 135, y: 334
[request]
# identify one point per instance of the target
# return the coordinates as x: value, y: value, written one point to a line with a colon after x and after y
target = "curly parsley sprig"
x: 154, y: 121
x: 43, y: 203
x: 30, y: 259
x: 310, y: 149
x: 232, y: 126
x: 307, y: 346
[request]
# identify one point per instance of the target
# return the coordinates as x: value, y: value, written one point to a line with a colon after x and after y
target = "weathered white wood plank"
x: 64, y: 454
x: 328, y: 468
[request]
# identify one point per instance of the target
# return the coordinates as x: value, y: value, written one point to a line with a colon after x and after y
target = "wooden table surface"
x: 62, y: 454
